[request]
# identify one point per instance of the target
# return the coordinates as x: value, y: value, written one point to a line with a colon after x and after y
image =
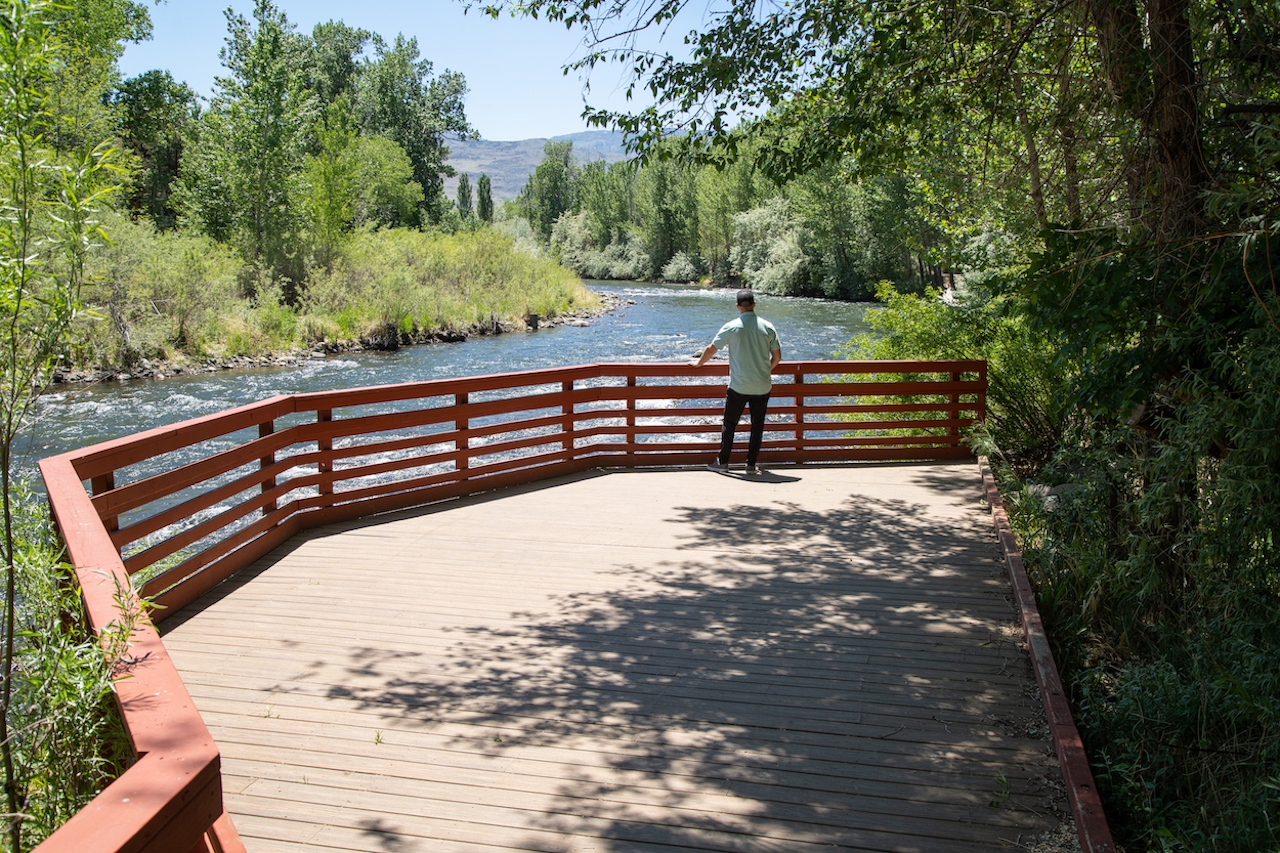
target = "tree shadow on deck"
x: 782, y: 679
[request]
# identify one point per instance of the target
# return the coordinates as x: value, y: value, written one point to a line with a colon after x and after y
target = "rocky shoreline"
x: 381, y: 340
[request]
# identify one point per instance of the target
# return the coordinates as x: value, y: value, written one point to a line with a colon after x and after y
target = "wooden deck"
x: 821, y: 659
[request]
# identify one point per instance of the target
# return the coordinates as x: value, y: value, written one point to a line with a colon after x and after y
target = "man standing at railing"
x: 754, y: 352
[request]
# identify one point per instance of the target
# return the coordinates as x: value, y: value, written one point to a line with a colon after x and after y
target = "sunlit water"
x: 656, y: 323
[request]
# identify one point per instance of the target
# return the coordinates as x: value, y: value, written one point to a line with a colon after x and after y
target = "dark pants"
x: 734, y: 403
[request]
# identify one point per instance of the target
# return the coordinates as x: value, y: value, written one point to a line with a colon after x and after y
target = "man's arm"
x: 707, y: 355
x: 775, y: 358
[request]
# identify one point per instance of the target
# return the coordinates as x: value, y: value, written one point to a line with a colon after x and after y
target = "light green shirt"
x: 750, y: 341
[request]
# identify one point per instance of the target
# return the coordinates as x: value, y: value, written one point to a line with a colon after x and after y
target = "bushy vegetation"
x: 67, y: 735
x: 173, y: 296
x: 420, y: 284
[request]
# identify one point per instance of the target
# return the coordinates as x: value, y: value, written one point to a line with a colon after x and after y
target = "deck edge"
x: 1082, y: 792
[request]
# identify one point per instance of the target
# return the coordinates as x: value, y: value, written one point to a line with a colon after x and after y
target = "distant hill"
x: 509, y: 164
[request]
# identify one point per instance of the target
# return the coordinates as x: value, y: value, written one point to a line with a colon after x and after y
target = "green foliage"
x: 88, y: 37
x: 464, y: 196
x: 397, y: 97
x: 155, y: 113
x: 682, y: 267
x: 625, y: 257
x: 425, y: 283
x: 256, y: 131
x: 45, y: 233
x: 768, y: 249
x: 334, y: 65
x: 69, y: 739
x: 484, y: 199
x: 1027, y: 407
x: 550, y: 190
x: 154, y: 296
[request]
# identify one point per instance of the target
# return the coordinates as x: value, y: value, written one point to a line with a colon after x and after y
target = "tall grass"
x: 419, y: 283
x: 179, y: 296
x: 67, y: 735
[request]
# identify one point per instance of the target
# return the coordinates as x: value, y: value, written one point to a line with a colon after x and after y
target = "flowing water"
x: 655, y: 323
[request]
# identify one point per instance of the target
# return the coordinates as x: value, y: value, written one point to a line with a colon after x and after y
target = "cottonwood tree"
x: 398, y: 97
x: 549, y: 191
x: 250, y: 146
x: 155, y: 112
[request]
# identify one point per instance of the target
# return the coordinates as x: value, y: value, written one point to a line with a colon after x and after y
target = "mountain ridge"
x: 509, y: 163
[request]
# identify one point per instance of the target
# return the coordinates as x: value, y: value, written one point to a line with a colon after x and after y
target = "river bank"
x: 386, y: 340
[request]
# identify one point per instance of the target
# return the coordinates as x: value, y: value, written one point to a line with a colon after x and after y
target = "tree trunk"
x: 1120, y: 42
x: 1070, y: 158
x: 1033, y: 154
x: 1182, y: 175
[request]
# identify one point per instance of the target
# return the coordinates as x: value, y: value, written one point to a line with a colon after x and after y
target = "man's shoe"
x: 718, y: 466
x: 754, y: 469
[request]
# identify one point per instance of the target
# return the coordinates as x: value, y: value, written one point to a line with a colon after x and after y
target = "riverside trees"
x: 236, y: 211
x: 283, y: 112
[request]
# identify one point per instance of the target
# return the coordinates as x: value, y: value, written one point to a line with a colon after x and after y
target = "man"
x: 753, y: 354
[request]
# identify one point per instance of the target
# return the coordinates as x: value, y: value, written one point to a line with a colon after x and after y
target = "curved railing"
x: 175, y: 511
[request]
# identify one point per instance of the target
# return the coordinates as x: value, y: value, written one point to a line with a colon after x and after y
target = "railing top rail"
x: 129, y: 450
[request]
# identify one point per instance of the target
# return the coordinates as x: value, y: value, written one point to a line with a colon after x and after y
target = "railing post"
x: 105, y: 483
x: 264, y: 462
x: 981, y: 413
x: 325, y: 445
x: 569, y: 424
x: 954, y: 431
x: 630, y: 436
x: 462, y: 445
x: 797, y: 379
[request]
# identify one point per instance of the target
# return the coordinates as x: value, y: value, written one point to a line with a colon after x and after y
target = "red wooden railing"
x: 176, y: 510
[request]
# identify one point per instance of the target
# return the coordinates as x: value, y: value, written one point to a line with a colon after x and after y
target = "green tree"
x: 155, y: 114
x: 44, y: 235
x: 549, y: 192
x: 89, y: 37
x: 607, y: 194
x: 334, y: 65
x: 329, y: 180
x: 484, y: 199
x: 398, y: 97
x: 668, y: 212
x: 247, y: 171
x: 464, y: 196
x: 353, y: 181
x: 723, y: 191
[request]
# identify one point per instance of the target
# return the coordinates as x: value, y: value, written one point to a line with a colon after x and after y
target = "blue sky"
x: 513, y: 67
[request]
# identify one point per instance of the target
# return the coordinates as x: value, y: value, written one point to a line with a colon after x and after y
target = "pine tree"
x: 464, y: 195
x: 484, y: 200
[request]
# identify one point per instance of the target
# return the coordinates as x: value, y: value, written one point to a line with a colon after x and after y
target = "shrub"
x: 68, y: 738
x: 1027, y: 408
x: 768, y: 249
x: 683, y: 267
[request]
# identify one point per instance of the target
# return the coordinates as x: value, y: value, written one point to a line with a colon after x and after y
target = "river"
x: 654, y: 323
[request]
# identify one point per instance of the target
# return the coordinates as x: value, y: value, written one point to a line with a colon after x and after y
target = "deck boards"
x: 656, y: 661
